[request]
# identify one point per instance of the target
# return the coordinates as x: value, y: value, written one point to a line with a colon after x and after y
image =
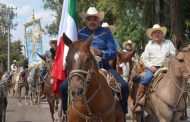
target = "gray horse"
x: 33, y: 82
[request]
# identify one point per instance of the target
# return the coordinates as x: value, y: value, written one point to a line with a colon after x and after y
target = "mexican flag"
x: 68, y: 26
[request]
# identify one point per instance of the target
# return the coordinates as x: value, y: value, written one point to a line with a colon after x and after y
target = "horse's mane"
x: 77, y: 45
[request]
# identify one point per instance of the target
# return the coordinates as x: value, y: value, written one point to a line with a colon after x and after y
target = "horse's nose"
x: 80, y: 91
x: 77, y: 92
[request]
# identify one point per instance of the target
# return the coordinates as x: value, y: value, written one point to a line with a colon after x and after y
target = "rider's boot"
x: 140, y: 98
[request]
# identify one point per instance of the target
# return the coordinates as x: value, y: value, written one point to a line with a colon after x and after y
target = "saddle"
x: 112, y: 82
x: 158, y: 75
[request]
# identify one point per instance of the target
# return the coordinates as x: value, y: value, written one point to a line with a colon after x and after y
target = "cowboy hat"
x: 53, y: 41
x: 111, y: 27
x: 154, y: 28
x: 14, y: 61
x: 92, y: 11
x: 129, y: 42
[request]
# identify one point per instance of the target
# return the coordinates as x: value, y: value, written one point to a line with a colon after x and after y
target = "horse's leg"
x: 120, y: 116
x: 9, y: 91
x: 25, y: 95
x: 19, y: 94
x: 139, y: 116
x: 51, y: 106
x: 60, y: 113
x: 38, y: 95
x: 132, y: 116
x: 148, y: 118
x: 5, y: 108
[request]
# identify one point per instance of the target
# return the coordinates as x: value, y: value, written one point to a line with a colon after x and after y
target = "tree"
x: 6, y: 23
x: 176, y: 28
x: 133, y: 17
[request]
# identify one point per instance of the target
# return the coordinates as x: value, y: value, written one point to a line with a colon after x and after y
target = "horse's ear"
x: 120, y: 54
x: 66, y: 40
x: 43, y: 57
x: 180, y: 56
x: 89, y: 40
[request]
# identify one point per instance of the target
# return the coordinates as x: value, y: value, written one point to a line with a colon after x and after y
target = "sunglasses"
x: 92, y: 18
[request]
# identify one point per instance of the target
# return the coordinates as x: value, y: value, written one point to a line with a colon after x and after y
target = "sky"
x: 24, y: 13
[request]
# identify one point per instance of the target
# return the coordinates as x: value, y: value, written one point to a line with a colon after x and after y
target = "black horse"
x: 3, y: 97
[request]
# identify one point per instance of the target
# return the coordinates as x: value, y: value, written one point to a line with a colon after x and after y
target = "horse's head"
x: 5, y: 76
x: 125, y: 56
x: 183, y: 57
x: 79, y: 66
x: 49, y: 63
x: 35, y: 71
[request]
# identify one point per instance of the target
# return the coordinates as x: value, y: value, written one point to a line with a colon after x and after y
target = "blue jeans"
x: 148, y: 76
x: 43, y: 74
x: 124, y: 90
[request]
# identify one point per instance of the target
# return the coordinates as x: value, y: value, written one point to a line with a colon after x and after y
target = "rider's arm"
x: 172, y: 49
x: 110, y: 52
x: 13, y: 68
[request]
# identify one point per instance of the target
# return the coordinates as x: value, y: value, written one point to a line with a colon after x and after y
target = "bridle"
x: 86, y: 76
x: 184, y: 90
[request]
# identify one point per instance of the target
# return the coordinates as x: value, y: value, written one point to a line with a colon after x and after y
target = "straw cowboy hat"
x: 129, y: 42
x: 92, y: 11
x: 154, y: 28
x: 14, y: 61
x: 111, y: 27
x: 53, y: 41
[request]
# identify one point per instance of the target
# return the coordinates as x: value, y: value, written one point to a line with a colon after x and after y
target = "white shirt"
x: 154, y: 54
x: 13, y: 67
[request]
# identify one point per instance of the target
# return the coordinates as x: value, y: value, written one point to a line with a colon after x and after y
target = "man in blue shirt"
x: 103, y: 45
x: 112, y: 29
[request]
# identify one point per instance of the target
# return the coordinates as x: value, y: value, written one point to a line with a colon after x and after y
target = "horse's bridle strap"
x: 100, y: 116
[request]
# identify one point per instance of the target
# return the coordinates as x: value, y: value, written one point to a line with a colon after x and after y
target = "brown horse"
x: 90, y: 97
x: 53, y: 100
x: 167, y: 100
x: 123, y: 63
x: 13, y: 82
x: 22, y: 83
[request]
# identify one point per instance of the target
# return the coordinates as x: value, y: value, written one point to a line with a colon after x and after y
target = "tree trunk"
x: 176, y: 28
x: 157, y: 10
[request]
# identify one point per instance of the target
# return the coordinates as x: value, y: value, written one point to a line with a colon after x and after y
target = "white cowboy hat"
x: 92, y: 11
x: 154, y: 28
x: 14, y: 61
x: 111, y: 27
x: 129, y: 42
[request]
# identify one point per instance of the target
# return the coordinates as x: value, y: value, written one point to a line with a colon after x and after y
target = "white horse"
x: 33, y: 82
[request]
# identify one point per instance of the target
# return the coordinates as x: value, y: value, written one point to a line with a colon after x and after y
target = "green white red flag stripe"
x: 67, y: 26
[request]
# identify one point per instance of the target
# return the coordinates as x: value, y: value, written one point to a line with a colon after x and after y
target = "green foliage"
x: 6, y: 22
x: 16, y: 51
x: 130, y: 17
